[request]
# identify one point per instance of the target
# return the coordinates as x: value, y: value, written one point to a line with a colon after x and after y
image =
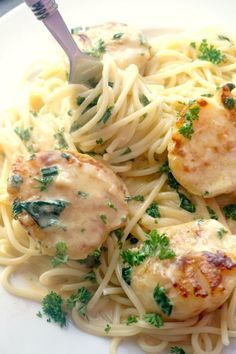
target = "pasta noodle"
x: 134, y: 144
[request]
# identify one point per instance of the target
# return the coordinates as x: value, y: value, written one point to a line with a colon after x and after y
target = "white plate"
x: 23, y: 40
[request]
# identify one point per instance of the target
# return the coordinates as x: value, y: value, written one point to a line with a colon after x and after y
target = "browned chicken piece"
x: 202, y: 154
x: 125, y: 44
x: 66, y: 197
x: 201, y: 276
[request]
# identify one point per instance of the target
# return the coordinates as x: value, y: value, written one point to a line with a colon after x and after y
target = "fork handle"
x: 47, y: 11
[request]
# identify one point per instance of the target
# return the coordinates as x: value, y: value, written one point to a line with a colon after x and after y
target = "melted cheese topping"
x: 93, y: 197
x: 200, y: 278
x: 206, y: 164
x: 125, y: 44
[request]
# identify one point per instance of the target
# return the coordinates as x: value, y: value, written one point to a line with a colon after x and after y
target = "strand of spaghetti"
x: 223, y: 324
x: 47, y: 277
x: 152, y: 349
x: 231, y: 312
x: 25, y: 293
x: 198, y: 350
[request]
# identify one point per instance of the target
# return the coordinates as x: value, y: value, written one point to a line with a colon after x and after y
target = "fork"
x: 83, y: 68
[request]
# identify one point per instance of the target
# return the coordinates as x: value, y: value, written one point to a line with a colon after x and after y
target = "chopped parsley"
x: 83, y: 296
x: 136, y: 198
x: 212, y: 213
x: 106, y: 115
x: 190, y: 115
x: 83, y: 195
x: 48, y: 174
x: 118, y: 35
x: 99, y: 141
x: 103, y: 217
x: 39, y: 314
x: 209, y: 53
x: 93, y: 103
x: 61, y: 141
x: 91, y: 276
x: 186, y: 203
x: 111, y: 205
x: 144, y: 100
x: 126, y: 274
x: 162, y: 300
x: 126, y: 151
x: 230, y: 103
x: 153, y: 319
x: 230, y: 211
x: 60, y: 256
x: 107, y: 328
x: 155, y: 245
x: 24, y: 134
x: 66, y: 156
x: 98, y: 49
x: 224, y: 38
x: 52, y: 307
x: 15, y: 180
x: 131, y: 320
x: 45, y: 214
x: 153, y: 210
x: 80, y: 100
x: 193, y: 45
x: 110, y: 84
x: 171, y: 181
x: 207, y: 95
x: 176, y: 350
x: 92, y: 260
x: 221, y: 232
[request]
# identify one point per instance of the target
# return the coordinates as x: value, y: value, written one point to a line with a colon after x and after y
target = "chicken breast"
x: 199, y: 278
x: 202, y: 154
x: 126, y: 44
x: 66, y: 197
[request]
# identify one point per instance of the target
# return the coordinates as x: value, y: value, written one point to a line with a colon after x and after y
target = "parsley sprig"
x: 60, y: 256
x: 190, y: 115
x: 155, y: 245
x: 162, y: 300
x: 53, y: 307
x: 209, y: 53
x: 153, y: 319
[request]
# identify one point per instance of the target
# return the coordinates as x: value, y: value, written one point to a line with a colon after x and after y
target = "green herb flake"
x: 80, y: 100
x: 103, y: 217
x: 187, y: 130
x: 230, y: 103
x: 193, y: 45
x: 224, y: 38
x: 99, y: 141
x: 52, y: 307
x: 66, y: 156
x: 153, y: 319
x: 111, y: 205
x: 39, y: 314
x: 210, y: 53
x: 44, y: 213
x: 106, y: 115
x: 15, y: 180
x: 230, y: 211
x: 48, y: 175
x: 98, y: 49
x: 207, y: 95
x: 83, y: 296
x: 144, y: 100
x: 221, y: 232
x: 162, y: 300
x: 127, y: 274
x: 61, y: 141
x: 76, y: 30
x: 155, y: 245
x: 171, y: 181
x: 126, y: 151
x: 60, y: 257
x: 107, y: 328
x: 153, y: 210
x: 24, y: 134
x: 136, y: 198
x: 92, y: 260
x: 176, y: 350
x: 131, y: 320
x: 118, y: 35
x: 212, y: 213
x: 111, y: 84
x: 191, y: 115
x: 82, y: 194
x: 186, y: 203
x: 91, y: 276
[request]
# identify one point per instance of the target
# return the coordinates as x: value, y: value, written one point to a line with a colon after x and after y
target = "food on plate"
x: 117, y: 199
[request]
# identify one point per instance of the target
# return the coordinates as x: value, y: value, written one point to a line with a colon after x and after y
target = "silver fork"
x: 83, y: 68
